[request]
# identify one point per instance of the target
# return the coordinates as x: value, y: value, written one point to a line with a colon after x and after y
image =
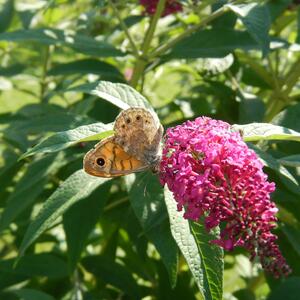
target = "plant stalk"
x: 125, y: 28
x: 142, y: 61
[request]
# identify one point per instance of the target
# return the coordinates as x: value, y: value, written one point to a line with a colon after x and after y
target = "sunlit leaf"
x: 265, y: 131
x: 205, y: 261
x: 64, y: 139
x: 119, y: 94
x: 78, y: 186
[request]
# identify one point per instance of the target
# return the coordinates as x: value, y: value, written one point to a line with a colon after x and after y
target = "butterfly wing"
x: 139, y: 133
x: 108, y: 159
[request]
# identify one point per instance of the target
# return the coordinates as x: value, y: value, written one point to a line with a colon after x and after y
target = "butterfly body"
x: 134, y: 147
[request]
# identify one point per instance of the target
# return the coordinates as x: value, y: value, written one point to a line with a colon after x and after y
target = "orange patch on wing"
x: 117, y: 161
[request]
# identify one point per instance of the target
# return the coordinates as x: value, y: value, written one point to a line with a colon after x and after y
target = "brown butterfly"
x: 133, y: 148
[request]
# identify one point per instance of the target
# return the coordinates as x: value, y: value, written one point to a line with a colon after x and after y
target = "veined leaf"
x: 212, y: 258
x: 257, y: 21
x: 64, y: 139
x: 77, y: 232
x: 49, y: 36
x: 204, y: 260
x: 265, y: 131
x: 78, y: 186
x: 119, y: 94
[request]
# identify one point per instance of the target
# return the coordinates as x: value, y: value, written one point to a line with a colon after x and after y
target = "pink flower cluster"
x: 212, y: 173
x: 171, y: 7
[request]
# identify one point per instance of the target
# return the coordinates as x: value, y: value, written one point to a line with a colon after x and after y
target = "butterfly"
x: 134, y: 147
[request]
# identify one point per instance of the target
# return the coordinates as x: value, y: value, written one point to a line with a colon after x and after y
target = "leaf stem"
x: 150, y: 32
x: 292, y: 77
x: 125, y: 28
x: 280, y: 97
x: 43, y: 81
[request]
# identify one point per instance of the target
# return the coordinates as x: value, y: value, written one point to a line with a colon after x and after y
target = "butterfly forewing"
x: 133, y: 148
x: 108, y: 159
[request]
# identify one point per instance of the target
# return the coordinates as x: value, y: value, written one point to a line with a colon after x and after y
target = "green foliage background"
x: 66, y: 69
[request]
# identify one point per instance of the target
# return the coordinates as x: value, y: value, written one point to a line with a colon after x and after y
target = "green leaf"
x: 6, y: 14
x: 269, y: 161
x: 212, y: 258
x: 291, y: 161
x: 265, y: 131
x: 130, y: 21
x: 12, y: 70
x: 204, y: 260
x: 78, y: 186
x: 289, y: 117
x: 151, y: 212
x: 119, y: 94
x: 287, y: 290
x: 256, y: 19
x: 47, y: 122
x: 215, y: 65
x: 298, y: 27
x: 276, y: 8
x: 64, y: 139
x: 31, y: 294
x: 112, y: 273
x: 251, y: 109
x: 49, y: 36
x: 43, y: 264
x: 29, y: 187
x: 289, y: 201
x: 77, y: 231
x: 216, y: 42
x: 293, y: 235
x: 86, y: 66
